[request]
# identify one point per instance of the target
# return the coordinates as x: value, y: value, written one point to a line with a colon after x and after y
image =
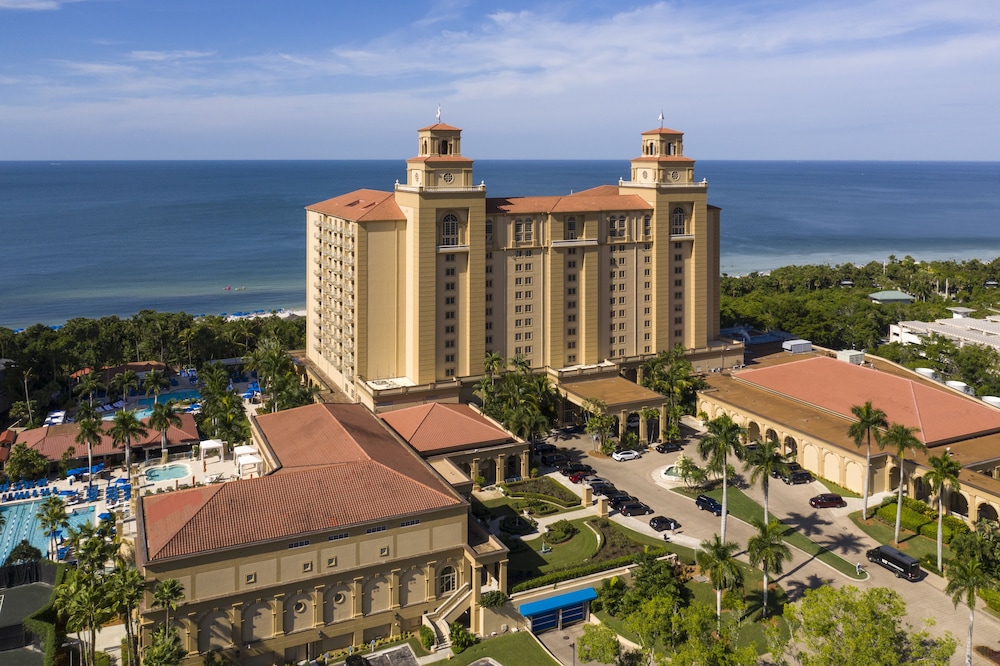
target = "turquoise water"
x: 183, y: 394
x: 167, y: 472
x: 22, y: 523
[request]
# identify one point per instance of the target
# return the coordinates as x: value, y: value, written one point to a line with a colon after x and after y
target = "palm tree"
x: 724, y: 437
x: 161, y: 418
x: 966, y: 578
x: 270, y: 361
x: 901, y: 438
x: 767, y: 550
x: 52, y: 518
x: 89, y: 432
x: 88, y: 385
x: 166, y: 594
x: 126, y: 590
x: 124, y: 381
x: 154, y: 382
x: 649, y: 414
x: 124, y: 428
x: 520, y: 364
x: 942, y: 478
x: 765, y: 462
x: 869, y: 421
x: 494, y: 363
x: 717, y: 558
x: 599, y: 423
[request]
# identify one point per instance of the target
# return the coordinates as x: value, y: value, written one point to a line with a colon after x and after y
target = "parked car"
x: 617, y: 500
x: 797, y: 477
x: 632, y: 422
x: 792, y: 467
x: 827, y: 500
x: 668, y: 447
x: 634, y: 509
x: 706, y: 503
x: 660, y: 523
x: 578, y: 477
x: 573, y: 467
x: 591, y: 479
x: 600, y: 489
x: 627, y: 454
x: 554, y: 459
x: 544, y: 447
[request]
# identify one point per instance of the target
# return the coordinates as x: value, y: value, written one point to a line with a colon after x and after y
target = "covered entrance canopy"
x: 621, y: 396
x: 558, y: 611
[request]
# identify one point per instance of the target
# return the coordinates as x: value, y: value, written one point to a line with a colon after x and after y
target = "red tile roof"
x: 439, y: 126
x: 600, y: 199
x: 340, y: 466
x: 836, y: 386
x: 361, y: 206
x: 663, y: 130
x: 441, y: 428
x: 55, y: 440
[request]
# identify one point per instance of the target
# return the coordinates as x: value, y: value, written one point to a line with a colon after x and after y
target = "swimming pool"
x: 167, y: 472
x: 185, y: 394
x: 22, y: 523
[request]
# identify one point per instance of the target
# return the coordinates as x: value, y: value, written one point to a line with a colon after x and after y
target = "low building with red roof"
x: 349, y: 535
x: 804, y: 401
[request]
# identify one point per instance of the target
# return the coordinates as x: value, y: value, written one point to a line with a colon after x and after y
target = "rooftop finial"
x: 661, y: 118
x: 439, y: 112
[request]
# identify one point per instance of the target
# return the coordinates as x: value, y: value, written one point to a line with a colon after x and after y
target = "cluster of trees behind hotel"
x: 43, y: 357
x: 829, y: 305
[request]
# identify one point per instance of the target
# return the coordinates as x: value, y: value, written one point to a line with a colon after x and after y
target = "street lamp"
x: 572, y: 647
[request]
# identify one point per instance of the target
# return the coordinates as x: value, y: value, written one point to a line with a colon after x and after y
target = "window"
x: 570, y: 331
x: 678, y: 270
x: 647, y: 323
x: 527, y: 308
x: 612, y: 287
x: 449, y: 329
x: 449, y: 372
x: 489, y: 298
x: 571, y: 318
x: 678, y: 246
x: 307, y: 567
x: 331, y: 562
x: 572, y: 250
x: 647, y: 260
x: 571, y: 344
x: 489, y: 269
x: 449, y: 344
x: 527, y: 336
x: 621, y: 300
x: 518, y: 267
x: 570, y: 228
x: 571, y: 304
x: 527, y: 350
x: 449, y: 229
x: 449, y: 271
x: 621, y: 339
x: 645, y: 311
x: 677, y: 222
x: 449, y: 300
x: 678, y: 333
x: 621, y: 274
x: 489, y: 284
x: 251, y: 578
x: 447, y: 580
x: 518, y: 309
x: 449, y: 257
x: 647, y: 284
x: 518, y: 281
x: 571, y: 277
x: 570, y: 264
x: 449, y: 286
x: 571, y: 358
x: 489, y: 326
x: 518, y: 322
x: 383, y: 551
x: 338, y: 536
x: 489, y: 232
x: 450, y: 314
x: 374, y: 530
x: 489, y: 341
x: 517, y: 337
x: 647, y: 336
x: 518, y: 294
x: 527, y: 266
x: 678, y: 283
x: 647, y: 272
x: 647, y: 225
x: 449, y: 358
x: 527, y: 280
x: 621, y: 313
x: 678, y: 257
x: 678, y: 308
x: 298, y: 544
x: 410, y: 523
x: 571, y: 291
x: 678, y: 294
x: 621, y: 260
x: 528, y: 235
x: 646, y: 298
x: 678, y: 320
x: 621, y: 327
x: 527, y: 321
x: 612, y: 327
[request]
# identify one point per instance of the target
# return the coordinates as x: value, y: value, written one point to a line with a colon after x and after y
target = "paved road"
x: 830, y: 527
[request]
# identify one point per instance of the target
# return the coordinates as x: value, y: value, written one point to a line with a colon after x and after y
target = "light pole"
x: 572, y: 647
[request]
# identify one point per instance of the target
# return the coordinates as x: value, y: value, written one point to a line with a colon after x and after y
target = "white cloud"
x: 34, y: 5
x: 162, y: 56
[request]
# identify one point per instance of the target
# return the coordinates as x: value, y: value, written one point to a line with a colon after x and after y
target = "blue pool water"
x: 184, y: 394
x: 22, y: 523
x: 167, y: 472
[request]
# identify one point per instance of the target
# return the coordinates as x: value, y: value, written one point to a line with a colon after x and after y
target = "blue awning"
x: 558, y: 601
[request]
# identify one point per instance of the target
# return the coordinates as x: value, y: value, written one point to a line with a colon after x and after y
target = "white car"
x: 629, y: 454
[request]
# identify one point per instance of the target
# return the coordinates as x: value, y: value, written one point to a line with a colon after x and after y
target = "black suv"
x: 667, y: 447
x: 634, y: 509
x: 660, y: 523
x: 797, y: 477
x: 554, y: 459
x: 602, y: 489
x: 617, y: 499
x: 792, y: 467
x: 706, y: 503
x: 570, y: 468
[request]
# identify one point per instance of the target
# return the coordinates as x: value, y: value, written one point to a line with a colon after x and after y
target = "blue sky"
x: 332, y: 79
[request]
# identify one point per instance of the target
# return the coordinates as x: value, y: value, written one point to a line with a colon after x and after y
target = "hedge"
x: 42, y: 623
x: 920, y: 518
x: 992, y: 599
x: 584, y: 570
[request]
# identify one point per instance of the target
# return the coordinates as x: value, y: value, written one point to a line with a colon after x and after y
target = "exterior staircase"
x: 447, y: 613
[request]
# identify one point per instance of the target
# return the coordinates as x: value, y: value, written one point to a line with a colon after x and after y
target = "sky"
x: 538, y: 79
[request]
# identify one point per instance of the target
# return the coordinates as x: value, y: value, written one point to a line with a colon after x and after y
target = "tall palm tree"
x: 88, y: 385
x: 767, y: 550
x: 717, y: 558
x: 89, y: 432
x: 126, y: 590
x: 520, y: 364
x: 161, y: 418
x: 942, y: 478
x: 966, y: 578
x: 765, y: 463
x: 599, y: 422
x: 124, y: 429
x: 901, y: 438
x: 724, y: 436
x: 270, y: 361
x: 154, y: 382
x: 124, y: 381
x: 52, y: 518
x: 493, y: 364
x: 869, y: 421
x: 166, y: 594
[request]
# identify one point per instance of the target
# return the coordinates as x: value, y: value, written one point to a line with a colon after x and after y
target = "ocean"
x: 89, y: 239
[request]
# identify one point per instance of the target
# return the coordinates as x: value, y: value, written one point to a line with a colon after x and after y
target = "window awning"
x: 557, y: 602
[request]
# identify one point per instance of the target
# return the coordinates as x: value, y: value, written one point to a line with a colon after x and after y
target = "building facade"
x: 409, y: 290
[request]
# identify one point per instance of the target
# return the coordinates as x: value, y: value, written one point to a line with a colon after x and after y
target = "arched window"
x: 449, y: 229
x: 424, y: 150
x: 678, y: 225
x: 447, y: 580
x: 570, y: 228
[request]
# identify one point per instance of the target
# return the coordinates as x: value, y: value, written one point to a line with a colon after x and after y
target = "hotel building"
x: 408, y: 290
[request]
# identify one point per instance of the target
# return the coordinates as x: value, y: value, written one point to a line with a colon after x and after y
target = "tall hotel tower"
x: 409, y: 290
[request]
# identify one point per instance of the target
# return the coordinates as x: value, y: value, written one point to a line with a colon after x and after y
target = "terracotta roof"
x: 663, y: 130
x: 441, y: 158
x: 663, y: 158
x: 439, y: 126
x: 340, y: 466
x: 439, y: 428
x: 605, y: 198
x: 361, y: 206
x: 615, y: 392
x: 836, y: 386
x: 55, y: 440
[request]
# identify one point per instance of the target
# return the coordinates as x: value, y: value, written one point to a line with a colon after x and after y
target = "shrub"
x: 584, y: 570
x: 427, y: 637
x: 461, y: 639
x: 561, y: 530
x: 920, y: 518
x: 542, y: 488
x: 493, y: 599
x: 992, y: 599
x: 516, y: 524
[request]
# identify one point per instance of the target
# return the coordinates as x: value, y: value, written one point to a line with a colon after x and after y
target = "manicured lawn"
x: 742, y: 507
x: 509, y: 650
x: 577, y: 550
x: 914, y: 545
